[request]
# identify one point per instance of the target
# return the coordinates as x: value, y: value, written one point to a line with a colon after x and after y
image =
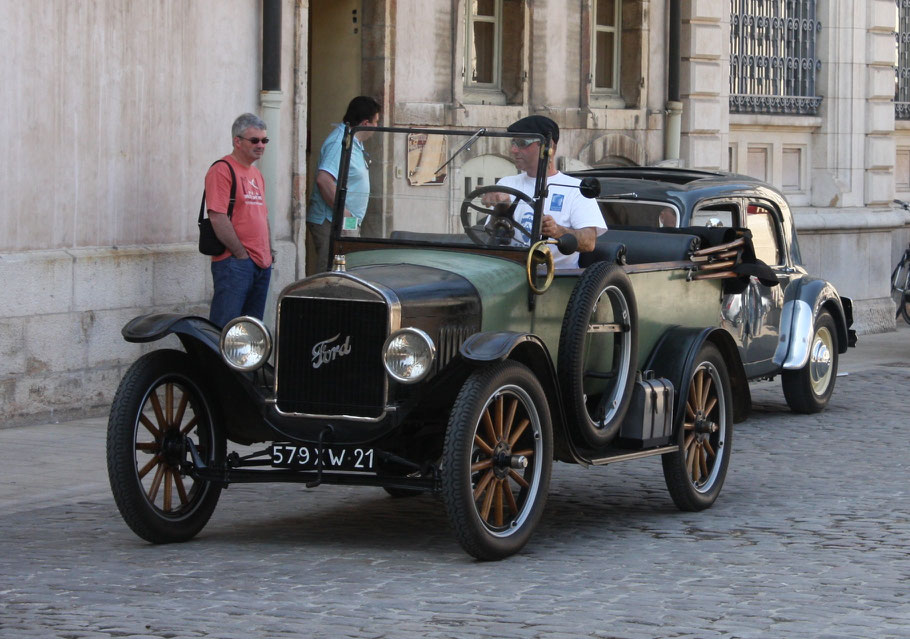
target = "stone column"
x: 838, y: 147
x: 705, y: 84
x: 880, y: 147
x: 853, y: 160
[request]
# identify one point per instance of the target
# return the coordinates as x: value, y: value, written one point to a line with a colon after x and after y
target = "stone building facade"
x: 116, y: 110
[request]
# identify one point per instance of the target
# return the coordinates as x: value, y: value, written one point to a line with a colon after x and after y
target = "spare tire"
x: 598, y: 352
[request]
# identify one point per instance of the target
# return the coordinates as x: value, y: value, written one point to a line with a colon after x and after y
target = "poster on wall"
x: 426, y: 155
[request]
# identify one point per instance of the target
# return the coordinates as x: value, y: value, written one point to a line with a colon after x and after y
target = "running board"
x: 639, y: 454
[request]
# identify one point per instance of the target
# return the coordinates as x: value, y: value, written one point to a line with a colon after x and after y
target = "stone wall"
x: 61, y: 352
x: 115, y: 111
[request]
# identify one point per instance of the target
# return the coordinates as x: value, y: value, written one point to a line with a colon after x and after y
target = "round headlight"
x: 408, y: 355
x: 245, y: 343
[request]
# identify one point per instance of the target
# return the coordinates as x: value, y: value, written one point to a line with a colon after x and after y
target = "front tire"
x: 500, y: 418
x: 808, y: 389
x: 159, y: 405
x: 695, y: 473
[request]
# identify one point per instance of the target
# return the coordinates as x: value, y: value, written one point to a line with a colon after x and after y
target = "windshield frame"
x: 539, y: 197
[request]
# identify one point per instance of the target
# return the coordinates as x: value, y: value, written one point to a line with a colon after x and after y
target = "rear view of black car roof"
x: 660, y: 174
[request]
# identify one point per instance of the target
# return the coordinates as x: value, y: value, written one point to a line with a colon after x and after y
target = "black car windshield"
x: 437, y: 187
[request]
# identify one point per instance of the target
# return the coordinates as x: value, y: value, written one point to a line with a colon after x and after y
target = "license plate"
x: 333, y: 457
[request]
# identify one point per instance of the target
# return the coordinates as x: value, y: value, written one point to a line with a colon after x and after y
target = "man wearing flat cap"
x: 566, y: 210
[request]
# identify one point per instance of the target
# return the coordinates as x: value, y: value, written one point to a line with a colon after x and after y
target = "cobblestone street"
x: 809, y: 538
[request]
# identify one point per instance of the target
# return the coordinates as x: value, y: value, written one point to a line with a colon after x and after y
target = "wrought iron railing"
x: 902, y: 54
x: 773, y: 63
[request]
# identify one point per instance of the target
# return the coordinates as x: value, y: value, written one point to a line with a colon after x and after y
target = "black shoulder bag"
x: 209, y: 244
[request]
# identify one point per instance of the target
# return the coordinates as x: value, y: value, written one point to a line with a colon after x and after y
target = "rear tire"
x: 695, y: 473
x: 808, y: 389
x: 159, y: 405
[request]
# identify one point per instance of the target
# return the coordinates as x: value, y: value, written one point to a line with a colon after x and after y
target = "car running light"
x: 245, y: 343
x: 408, y: 355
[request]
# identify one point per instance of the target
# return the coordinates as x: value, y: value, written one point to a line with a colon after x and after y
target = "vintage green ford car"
x: 443, y: 353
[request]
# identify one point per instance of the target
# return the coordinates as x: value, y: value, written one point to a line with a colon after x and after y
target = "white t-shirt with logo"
x: 564, y: 202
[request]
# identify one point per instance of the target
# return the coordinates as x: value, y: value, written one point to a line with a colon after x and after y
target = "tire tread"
x: 127, y: 493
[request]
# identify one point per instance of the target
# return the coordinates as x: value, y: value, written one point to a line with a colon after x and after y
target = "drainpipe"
x: 672, y: 129
x: 271, y: 99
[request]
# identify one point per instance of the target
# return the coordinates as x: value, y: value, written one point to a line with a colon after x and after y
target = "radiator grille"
x: 329, y: 357
x: 450, y: 340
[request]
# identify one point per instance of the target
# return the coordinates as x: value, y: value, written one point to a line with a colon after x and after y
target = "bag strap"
x: 230, y: 211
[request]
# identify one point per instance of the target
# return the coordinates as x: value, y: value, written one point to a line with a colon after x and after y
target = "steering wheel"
x: 502, y: 225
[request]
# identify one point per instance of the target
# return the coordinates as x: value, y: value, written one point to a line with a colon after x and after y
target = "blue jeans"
x: 240, y: 289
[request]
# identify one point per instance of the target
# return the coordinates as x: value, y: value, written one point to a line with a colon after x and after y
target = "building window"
x: 484, y: 43
x: 605, y: 42
x: 792, y: 169
x: 757, y: 162
x: 902, y: 170
x: 494, y: 51
x: 902, y: 60
x: 773, y: 62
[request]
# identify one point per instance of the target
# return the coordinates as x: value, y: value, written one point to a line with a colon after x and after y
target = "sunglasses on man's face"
x: 523, y: 143
x: 254, y: 140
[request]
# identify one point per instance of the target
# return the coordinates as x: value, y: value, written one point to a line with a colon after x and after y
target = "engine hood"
x: 427, y: 296
x: 499, y: 284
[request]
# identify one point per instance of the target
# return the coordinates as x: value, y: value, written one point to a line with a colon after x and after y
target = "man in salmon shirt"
x: 241, y: 274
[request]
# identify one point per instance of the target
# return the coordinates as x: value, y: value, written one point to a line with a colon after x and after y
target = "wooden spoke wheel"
x: 497, y: 459
x: 159, y: 408
x: 695, y: 473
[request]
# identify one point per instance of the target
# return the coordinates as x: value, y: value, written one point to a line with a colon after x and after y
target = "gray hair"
x: 246, y: 121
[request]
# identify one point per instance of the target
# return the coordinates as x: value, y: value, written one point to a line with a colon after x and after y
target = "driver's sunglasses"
x: 254, y: 140
x: 523, y: 143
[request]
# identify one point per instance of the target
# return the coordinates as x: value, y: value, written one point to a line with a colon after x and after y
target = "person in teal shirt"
x: 362, y: 111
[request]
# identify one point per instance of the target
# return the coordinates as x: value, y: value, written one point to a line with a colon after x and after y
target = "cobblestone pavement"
x: 810, y: 538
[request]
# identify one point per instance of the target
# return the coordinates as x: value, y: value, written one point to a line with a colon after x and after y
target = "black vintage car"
x: 444, y: 353
x: 785, y: 322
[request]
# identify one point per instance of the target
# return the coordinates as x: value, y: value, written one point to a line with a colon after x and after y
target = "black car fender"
x: 200, y: 337
x: 237, y: 396
x: 530, y: 350
x: 673, y: 357
x: 803, y: 300
x: 149, y: 328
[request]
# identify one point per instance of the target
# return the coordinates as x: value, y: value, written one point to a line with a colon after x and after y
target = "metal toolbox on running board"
x: 649, y: 421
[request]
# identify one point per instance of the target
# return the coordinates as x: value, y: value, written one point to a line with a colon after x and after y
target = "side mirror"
x: 589, y: 188
x: 567, y: 244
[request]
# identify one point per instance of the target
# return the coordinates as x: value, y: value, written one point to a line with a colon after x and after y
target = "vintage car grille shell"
x: 331, y: 328
x: 328, y: 348
x: 328, y: 360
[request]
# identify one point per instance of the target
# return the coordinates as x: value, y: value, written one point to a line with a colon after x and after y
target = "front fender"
x: 803, y: 300
x: 149, y: 328
x: 494, y: 347
x: 529, y: 350
x: 239, y: 397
